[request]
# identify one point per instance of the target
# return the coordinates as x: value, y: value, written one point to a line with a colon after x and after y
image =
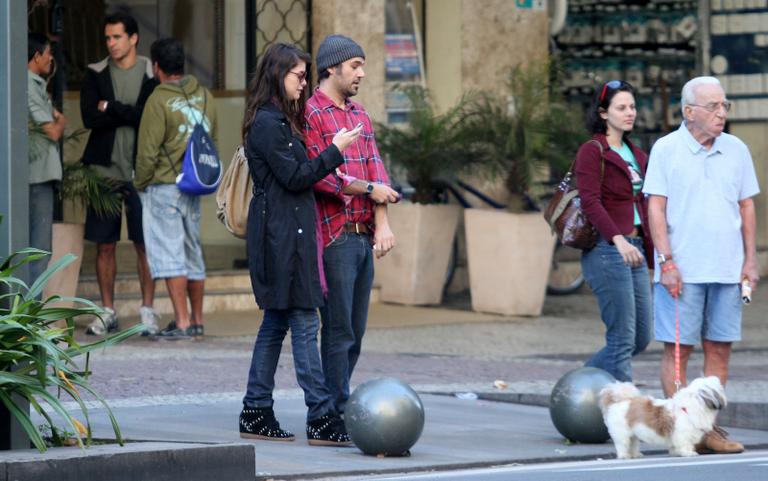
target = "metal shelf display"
x: 654, y: 45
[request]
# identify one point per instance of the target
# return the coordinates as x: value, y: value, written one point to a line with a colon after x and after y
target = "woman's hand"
x: 344, y: 138
x: 631, y: 254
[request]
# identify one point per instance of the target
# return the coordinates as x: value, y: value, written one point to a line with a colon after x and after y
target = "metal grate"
x: 270, y: 21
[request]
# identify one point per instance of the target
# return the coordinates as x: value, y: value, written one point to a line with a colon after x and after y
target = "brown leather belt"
x: 357, y: 228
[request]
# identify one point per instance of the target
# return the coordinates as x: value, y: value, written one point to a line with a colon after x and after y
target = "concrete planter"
x: 67, y: 239
x: 415, y: 271
x: 509, y: 258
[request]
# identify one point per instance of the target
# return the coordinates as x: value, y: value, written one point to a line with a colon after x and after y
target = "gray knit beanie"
x: 336, y: 49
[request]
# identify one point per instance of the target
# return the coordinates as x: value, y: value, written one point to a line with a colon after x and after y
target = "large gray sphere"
x: 384, y: 416
x: 575, y: 405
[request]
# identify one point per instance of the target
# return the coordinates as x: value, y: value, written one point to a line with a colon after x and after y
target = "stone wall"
x: 363, y: 21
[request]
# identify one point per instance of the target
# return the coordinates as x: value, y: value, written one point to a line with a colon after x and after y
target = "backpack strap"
x: 200, y: 122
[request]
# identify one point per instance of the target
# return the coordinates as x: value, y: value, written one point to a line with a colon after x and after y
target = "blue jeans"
x: 348, y: 265
x: 624, y: 296
x: 303, y: 324
x: 40, y: 224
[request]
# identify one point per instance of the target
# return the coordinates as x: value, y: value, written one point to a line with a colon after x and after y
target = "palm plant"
x: 80, y: 183
x: 431, y: 145
x: 525, y: 130
x: 36, y: 356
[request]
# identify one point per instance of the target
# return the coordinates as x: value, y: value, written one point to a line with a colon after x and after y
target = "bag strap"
x: 602, y: 159
x: 202, y: 114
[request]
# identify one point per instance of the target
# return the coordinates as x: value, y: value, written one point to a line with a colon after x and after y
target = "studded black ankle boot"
x: 260, y: 423
x: 328, y: 430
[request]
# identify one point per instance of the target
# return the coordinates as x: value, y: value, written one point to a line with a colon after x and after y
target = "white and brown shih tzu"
x: 679, y: 423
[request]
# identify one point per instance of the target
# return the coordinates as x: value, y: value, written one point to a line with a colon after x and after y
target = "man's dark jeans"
x: 348, y: 265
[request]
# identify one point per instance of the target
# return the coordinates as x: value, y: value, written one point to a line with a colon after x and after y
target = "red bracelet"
x: 668, y: 266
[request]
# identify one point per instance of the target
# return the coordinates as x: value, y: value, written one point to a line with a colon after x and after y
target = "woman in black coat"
x: 282, y: 245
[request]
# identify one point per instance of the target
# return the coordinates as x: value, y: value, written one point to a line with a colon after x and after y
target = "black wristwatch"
x: 369, y: 188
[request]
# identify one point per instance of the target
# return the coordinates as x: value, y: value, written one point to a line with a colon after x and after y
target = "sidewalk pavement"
x: 457, y: 434
x: 191, y: 391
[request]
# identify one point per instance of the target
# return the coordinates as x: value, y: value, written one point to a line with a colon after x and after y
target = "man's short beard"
x: 350, y: 92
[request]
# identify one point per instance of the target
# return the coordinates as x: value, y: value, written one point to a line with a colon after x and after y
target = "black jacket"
x: 97, y: 86
x: 282, y: 243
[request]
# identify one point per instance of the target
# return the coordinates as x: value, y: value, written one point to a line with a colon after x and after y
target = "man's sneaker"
x: 100, y: 326
x: 149, y: 319
x: 327, y: 430
x: 717, y: 442
x: 260, y: 423
x: 176, y: 334
x: 170, y: 327
x: 197, y: 330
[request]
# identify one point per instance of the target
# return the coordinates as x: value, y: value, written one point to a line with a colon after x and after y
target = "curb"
x: 747, y: 415
x: 460, y: 466
x: 162, y: 461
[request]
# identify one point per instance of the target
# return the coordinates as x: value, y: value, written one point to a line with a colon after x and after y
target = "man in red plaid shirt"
x: 352, y: 206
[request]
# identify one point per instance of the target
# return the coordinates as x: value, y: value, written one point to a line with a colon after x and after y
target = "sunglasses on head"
x: 613, y: 85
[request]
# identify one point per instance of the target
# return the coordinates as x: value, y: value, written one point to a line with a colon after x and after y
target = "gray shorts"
x: 172, y: 233
x: 709, y: 311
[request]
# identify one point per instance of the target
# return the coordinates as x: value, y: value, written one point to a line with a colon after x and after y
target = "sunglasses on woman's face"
x: 302, y: 76
x: 613, y: 85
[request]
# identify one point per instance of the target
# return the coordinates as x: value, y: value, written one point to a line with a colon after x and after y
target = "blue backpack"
x: 201, y: 169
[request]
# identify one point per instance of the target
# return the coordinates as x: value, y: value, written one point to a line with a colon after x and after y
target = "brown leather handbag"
x: 564, y: 214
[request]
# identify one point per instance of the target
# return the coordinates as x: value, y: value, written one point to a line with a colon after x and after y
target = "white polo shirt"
x: 703, y: 189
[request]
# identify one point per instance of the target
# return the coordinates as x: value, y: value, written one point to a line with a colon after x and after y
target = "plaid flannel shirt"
x: 361, y: 161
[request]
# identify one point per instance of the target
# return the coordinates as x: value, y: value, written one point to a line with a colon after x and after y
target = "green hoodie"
x: 166, y: 125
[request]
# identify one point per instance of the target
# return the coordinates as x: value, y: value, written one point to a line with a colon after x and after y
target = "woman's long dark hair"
x: 600, y: 102
x: 267, y: 85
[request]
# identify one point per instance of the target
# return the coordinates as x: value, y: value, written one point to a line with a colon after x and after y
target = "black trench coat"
x: 281, y: 239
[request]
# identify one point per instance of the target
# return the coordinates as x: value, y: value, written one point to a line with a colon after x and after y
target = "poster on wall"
x: 403, y: 61
x: 738, y: 56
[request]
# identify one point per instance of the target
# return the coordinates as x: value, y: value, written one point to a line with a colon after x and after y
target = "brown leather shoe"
x: 717, y: 442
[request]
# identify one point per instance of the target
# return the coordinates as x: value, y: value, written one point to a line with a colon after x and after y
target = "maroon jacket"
x: 609, y: 206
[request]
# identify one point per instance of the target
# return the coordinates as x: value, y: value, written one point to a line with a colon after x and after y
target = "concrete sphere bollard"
x: 574, y: 405
x: 384, y: 416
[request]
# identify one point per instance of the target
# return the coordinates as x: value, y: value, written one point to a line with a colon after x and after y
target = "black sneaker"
x: 260, y: 423
x: 328, y: 430
x: 176, y: 334
x: 170, y: 327
x: 197, y: 330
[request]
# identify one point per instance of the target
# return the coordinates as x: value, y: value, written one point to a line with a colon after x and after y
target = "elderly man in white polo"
x: 702, y: 217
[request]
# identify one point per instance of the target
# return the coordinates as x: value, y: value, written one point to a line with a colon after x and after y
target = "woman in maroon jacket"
x: 609, y: 175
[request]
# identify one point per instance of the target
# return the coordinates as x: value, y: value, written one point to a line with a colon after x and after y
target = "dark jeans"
x: 303, y: 324
x: 624, y: 296
x: 40, y: 224
x: 348, y: 265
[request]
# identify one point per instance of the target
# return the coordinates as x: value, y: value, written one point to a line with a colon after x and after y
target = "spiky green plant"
x: 84, y: 185
x: 526, y: 128
x: 431, y: 145
x: 80, y: 183
x: 36, y: 356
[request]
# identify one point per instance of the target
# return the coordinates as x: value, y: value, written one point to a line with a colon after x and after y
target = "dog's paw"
x: 636, y: 455
x: 687, y: 453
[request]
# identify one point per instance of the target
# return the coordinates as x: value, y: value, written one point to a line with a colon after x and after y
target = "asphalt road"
x: 750, y: 466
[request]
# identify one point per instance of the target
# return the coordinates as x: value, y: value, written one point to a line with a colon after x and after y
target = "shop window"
x: 404, y: 54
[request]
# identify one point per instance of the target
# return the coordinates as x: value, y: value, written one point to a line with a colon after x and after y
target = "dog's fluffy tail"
x: 617, y: 392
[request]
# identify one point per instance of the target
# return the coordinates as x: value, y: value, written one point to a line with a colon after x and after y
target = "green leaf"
x: 42, y: 280
x: 25, y: 421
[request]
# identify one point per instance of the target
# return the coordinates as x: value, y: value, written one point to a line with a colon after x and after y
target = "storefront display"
x: 654, y: 45
x: 738, y: 55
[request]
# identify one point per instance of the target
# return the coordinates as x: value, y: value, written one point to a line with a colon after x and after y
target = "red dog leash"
x: 678, y: 382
